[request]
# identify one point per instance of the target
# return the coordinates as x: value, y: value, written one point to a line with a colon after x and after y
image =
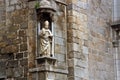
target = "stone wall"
x: 101, y: 59
x: 2, y: 31
x: 89, y: 34
x: 77, y: 40
x: 82, y: 41
x: 13, y: 43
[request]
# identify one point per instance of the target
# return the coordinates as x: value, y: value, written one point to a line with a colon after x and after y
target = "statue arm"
x: 42, y: 33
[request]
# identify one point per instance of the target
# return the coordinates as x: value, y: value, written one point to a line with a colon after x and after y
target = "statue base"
x: 47, y: 69
x: 46, y: 60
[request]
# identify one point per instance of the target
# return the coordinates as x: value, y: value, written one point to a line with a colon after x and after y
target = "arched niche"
x: 45, y: 12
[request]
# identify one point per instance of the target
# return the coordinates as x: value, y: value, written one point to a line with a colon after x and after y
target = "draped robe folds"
x: 45, y: 42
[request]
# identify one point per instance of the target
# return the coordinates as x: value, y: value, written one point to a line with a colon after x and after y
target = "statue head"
x: 46, y: 24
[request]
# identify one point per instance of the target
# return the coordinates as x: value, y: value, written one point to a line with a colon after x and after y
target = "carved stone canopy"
x: 48, y: 5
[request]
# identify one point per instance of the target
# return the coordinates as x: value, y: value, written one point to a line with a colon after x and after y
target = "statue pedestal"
x: 45, y: 66
x: 46, y: 62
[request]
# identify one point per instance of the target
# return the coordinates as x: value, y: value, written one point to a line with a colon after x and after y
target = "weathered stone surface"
x: 82, y: 40
x: 19, y: 56
x: 7, y: 56
x: 97, y: 18
x: 26, y: 71
x: 24, y: 62
x: 23, y: 47
x: 10, y: 49
x: 18, y: 72
x: 24, y: 25
x: 2, y: 69
x: 9, y: 72
x: 12, y: 63
x: 22, y: 33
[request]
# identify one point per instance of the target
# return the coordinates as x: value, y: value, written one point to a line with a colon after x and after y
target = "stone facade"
x: 101, y: 56
x: 82, y: 41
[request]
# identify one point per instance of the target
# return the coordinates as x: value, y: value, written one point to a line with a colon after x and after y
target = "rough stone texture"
x: 89, y: 36
x: 77, y: 43
x: 101, y: 58
x: 13, y: 40
x: 82, y: 41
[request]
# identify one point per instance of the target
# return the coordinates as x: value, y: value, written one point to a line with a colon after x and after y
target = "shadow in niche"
x: 2, y: 79
x: 43, y: 17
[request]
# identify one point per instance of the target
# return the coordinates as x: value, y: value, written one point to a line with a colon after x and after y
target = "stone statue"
x: 45, y: 40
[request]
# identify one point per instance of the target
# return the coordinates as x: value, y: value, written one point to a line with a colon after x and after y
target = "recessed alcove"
x: 2, y: 79
x: 43, y: 17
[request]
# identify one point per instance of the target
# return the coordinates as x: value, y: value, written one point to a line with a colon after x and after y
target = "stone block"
x: 13, y: 28
x: 71, y: 78
x: 25, y: 54
x: 26, y: 71
x: 17, y: 41
x: 32, y: 4
x: 79, y: 72
x: 82, y: 4
x: 7, y: 56
x: 7, y: 2
x: 2, y: 69
x: 80, y: 63
x: 19, y: 55
x: 72, y: 26
x: 12, y: 63
x: 85, y: 50
x: 10, y: 8
x: 24, y: 62
x: 60, y: 57
x: 12, y: 2
x: 73, y: 12
x: 10, y: 49
x: 18, y: 72
x: 12, y: 35
x: 24, y: 25
x: 84, y: 1
x: 61, y: 77
x: 23, y: 47
x: 22, y: 33
x: 78, y: 78
x: 61, y: 65
x: 50, y: 76
x: 21, y: 78
x: 59, y: 41
x: 72, y: 1
x: 73, y: 47
x: 58, y: 33
x: 41, y: 76
x: 60, y: 49
x: 71, y: 19
x: 9, y: 72
x: 71, y: 71
x: 71, y: 62
x: 76, y: 47
x: 3, y: 44
x: 18, y: 7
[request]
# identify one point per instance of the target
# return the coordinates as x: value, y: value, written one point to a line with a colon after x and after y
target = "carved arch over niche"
x: 58, y: 1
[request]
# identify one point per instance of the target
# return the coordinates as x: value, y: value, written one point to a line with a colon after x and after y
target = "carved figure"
x: 45, y: 40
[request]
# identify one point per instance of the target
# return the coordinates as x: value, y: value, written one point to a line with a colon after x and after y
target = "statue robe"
x: 45, y: 42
